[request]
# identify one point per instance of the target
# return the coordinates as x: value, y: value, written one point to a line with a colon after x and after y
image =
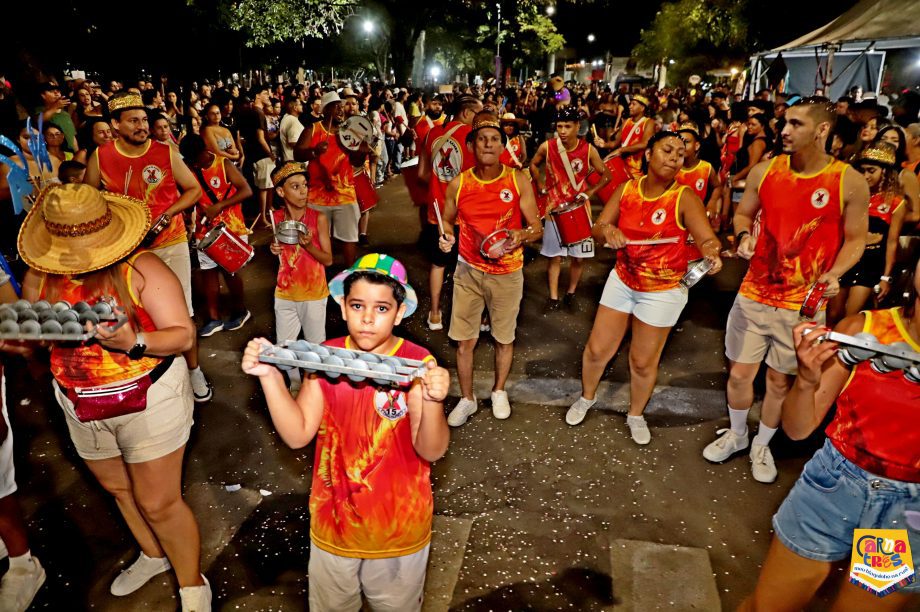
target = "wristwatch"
x: 140, y: 347
x: 887, y: 279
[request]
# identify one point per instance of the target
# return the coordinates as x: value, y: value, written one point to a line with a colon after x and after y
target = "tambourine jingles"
x: 813, y: 301
x: 354, y: 131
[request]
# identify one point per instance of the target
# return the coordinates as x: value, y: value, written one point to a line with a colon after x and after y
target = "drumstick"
x: 128, y: 179
x: 670, y: 240
x: 271, y: 218
x: 437, y: 213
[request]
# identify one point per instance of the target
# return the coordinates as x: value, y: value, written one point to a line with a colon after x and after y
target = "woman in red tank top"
x: 126, y: 398
x: 866, y: 476
x: 642, y: 294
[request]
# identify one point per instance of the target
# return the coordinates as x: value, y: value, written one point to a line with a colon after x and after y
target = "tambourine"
x: 493, y: 245
x: 885, y: 358
x: 814, y: 300
x: 354, y: 131
x: 158, y: 225
x: 332, y: 362
x: 290, y: 231
x: 695, y: 273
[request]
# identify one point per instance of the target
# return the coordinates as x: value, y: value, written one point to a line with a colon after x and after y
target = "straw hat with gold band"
x: 485, y: 119
x: 75, y: 229
x: 880, y: 154
x: 286, y: 171
x: 125, y: 100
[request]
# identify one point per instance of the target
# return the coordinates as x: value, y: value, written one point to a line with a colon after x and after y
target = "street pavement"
x: 531, y: 514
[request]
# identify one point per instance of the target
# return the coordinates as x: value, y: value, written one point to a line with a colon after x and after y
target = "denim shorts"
x: 834, y: 496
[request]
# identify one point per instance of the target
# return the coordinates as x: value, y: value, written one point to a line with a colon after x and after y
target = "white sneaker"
x: 501, y: 408
x: 462, y: 411
x: 436, y: 326
x: 19, y: 587
x: 638, y: 429
x: 196, y: 599
x: 201, y: 388
x: 762, y: 466
x: 578, y: 410
x: 727, y: 445
x: 138, y: 574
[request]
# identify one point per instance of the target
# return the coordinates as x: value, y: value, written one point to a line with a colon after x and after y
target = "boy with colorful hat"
x: 301, y: 291
x: 371, y: 504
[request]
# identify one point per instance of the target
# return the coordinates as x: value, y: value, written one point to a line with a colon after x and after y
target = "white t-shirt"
x: 290, y: 130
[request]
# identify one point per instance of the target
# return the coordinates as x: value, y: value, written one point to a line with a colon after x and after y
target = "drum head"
x: 568, y: 207
x: 493, y: 245
x: 212, y: 235
x: 354, y: 131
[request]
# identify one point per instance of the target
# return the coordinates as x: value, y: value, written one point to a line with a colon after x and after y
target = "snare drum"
x: 290, y: 231
x: 493, y: 245
x: 364, y: 190
x: 618, y: 170
x: 417, y: 191
x: 695, y: 273
x: 814, y: 300
x: 226, y: 249
x: 354, y: 131
x: 573, y: 223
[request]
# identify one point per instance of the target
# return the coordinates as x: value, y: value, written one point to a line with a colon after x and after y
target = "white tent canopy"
x: 848, y: 51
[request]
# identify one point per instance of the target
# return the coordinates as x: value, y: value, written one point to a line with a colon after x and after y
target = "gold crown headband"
x: 128, y: 100
x: 879, y: 155
x: 688, y: 127
x: 485, y: 123
x: 288, y: 170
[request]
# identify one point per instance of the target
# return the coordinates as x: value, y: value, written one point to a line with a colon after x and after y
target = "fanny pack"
x: 99, y: 403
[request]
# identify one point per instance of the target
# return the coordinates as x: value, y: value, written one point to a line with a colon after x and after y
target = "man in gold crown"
x: 149, y: 171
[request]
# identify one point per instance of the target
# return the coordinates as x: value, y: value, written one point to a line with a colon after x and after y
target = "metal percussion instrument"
x: 290, y: 231
x: 61, y: 322
x: 814, y: 300
x: 885, y: 358
x: 158, y: 225
x: 354, y: 131
x: 358, y: 366
x: 695, y: 273
x: 493, y: 245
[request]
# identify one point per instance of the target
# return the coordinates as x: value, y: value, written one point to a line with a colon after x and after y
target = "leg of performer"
x: 211, y: 293
x: 465, y: 350
x: 606, y: 335
x: 575, y: 270
x: 857, y: 299
x: 435, y: 284
x: 644, y: 355
x: 787, y: 581
x: 553, y: 270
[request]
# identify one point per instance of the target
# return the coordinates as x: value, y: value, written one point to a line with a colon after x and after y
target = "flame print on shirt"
x: 801, y: 231
x: 371, y: 492
x: 301, y: 278
x: 331, y: 177
x: 216, y: 177
x: 484, y: 207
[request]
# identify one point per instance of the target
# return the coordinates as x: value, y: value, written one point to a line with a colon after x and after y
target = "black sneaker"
x: 363, y: 241
x: 552, y: 306
x: 568, y: 300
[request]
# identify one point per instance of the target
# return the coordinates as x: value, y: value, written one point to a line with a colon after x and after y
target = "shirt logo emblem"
x: 447, y: 161
x: 390, y: 404
x: 659, y: 216
x: 152, y: 175
x: 700, y: 183
x: 577, y: 166
x: 214, y: 182
x: 506, y: 195
x: 820, y: 197
x: 884, y: 208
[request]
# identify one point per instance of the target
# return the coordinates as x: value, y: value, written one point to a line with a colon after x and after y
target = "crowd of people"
x: 813, y: 192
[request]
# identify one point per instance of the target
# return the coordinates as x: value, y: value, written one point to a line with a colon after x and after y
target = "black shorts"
x: 868, y: 270
x: 434, y: 254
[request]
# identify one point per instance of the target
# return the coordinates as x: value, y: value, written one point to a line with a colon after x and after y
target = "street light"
x: 551, y: 10
x: 435, y: 72
x: 591, y: 38
x: 734, y: 71
x: 368, y: 26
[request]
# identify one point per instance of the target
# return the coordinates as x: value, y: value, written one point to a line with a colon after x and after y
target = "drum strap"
x: 514, y: 158
x: 207, y: 187
x: 636, y: 129
x: 568, y: 166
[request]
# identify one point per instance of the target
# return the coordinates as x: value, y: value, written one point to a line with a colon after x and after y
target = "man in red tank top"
x: 633, y: 137
x: 488, y: 202
x: 814, y: 219
x: 568, y: 160
x: 444, y: 156
x: 149, y: 171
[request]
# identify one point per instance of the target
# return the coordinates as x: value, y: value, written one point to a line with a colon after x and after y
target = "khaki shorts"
x: 755, y: 330
x: 343, y: 220
x: 394, y: 584
x: 179, y: 260
x: 143, y: 436
x: 475, y: 290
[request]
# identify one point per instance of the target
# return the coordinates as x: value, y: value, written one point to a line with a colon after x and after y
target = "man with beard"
x: 813, y: 223
x: 150, y: 171
x: 332, y: 187
x: 433, y: 116
x: 364, y: 160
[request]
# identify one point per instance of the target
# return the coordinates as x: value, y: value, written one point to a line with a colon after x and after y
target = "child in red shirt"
x: 371, y: 504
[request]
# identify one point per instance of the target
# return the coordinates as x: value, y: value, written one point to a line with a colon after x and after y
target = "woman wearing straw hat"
x: 126, y: 399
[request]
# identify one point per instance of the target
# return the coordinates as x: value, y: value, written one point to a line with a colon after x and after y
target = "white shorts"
x: 655, y: 308
x: 179, y: 260
x: 292, y: 317
x: 343, y: 220
x: 552, y: 248
x: 262, y: 173
x: 7, y: 469
x: 393, y: 584
x: 205, y: 262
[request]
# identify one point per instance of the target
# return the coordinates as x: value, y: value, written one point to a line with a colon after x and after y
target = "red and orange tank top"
x: 449, y: 157
x: 301, y: 278
x: 632, y: 134
x: 513, y: 155
x: 801, y: 231
x: 371, y: 493
x: 147, y: 177
x: 883, y: 205
x: 696, y: 178
x: 90, y: 365
x: 216, y: 183
x: 484, y: 207
x: 559, y: 189
x: 651, y: 267
x: 424, y: 126
x: 331, y: 177
x: 876, y: 420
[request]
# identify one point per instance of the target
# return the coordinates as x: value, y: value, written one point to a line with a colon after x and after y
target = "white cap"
x: 328, y: 98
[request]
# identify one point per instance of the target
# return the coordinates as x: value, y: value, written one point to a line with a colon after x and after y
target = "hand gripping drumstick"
x: 437, y: 213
